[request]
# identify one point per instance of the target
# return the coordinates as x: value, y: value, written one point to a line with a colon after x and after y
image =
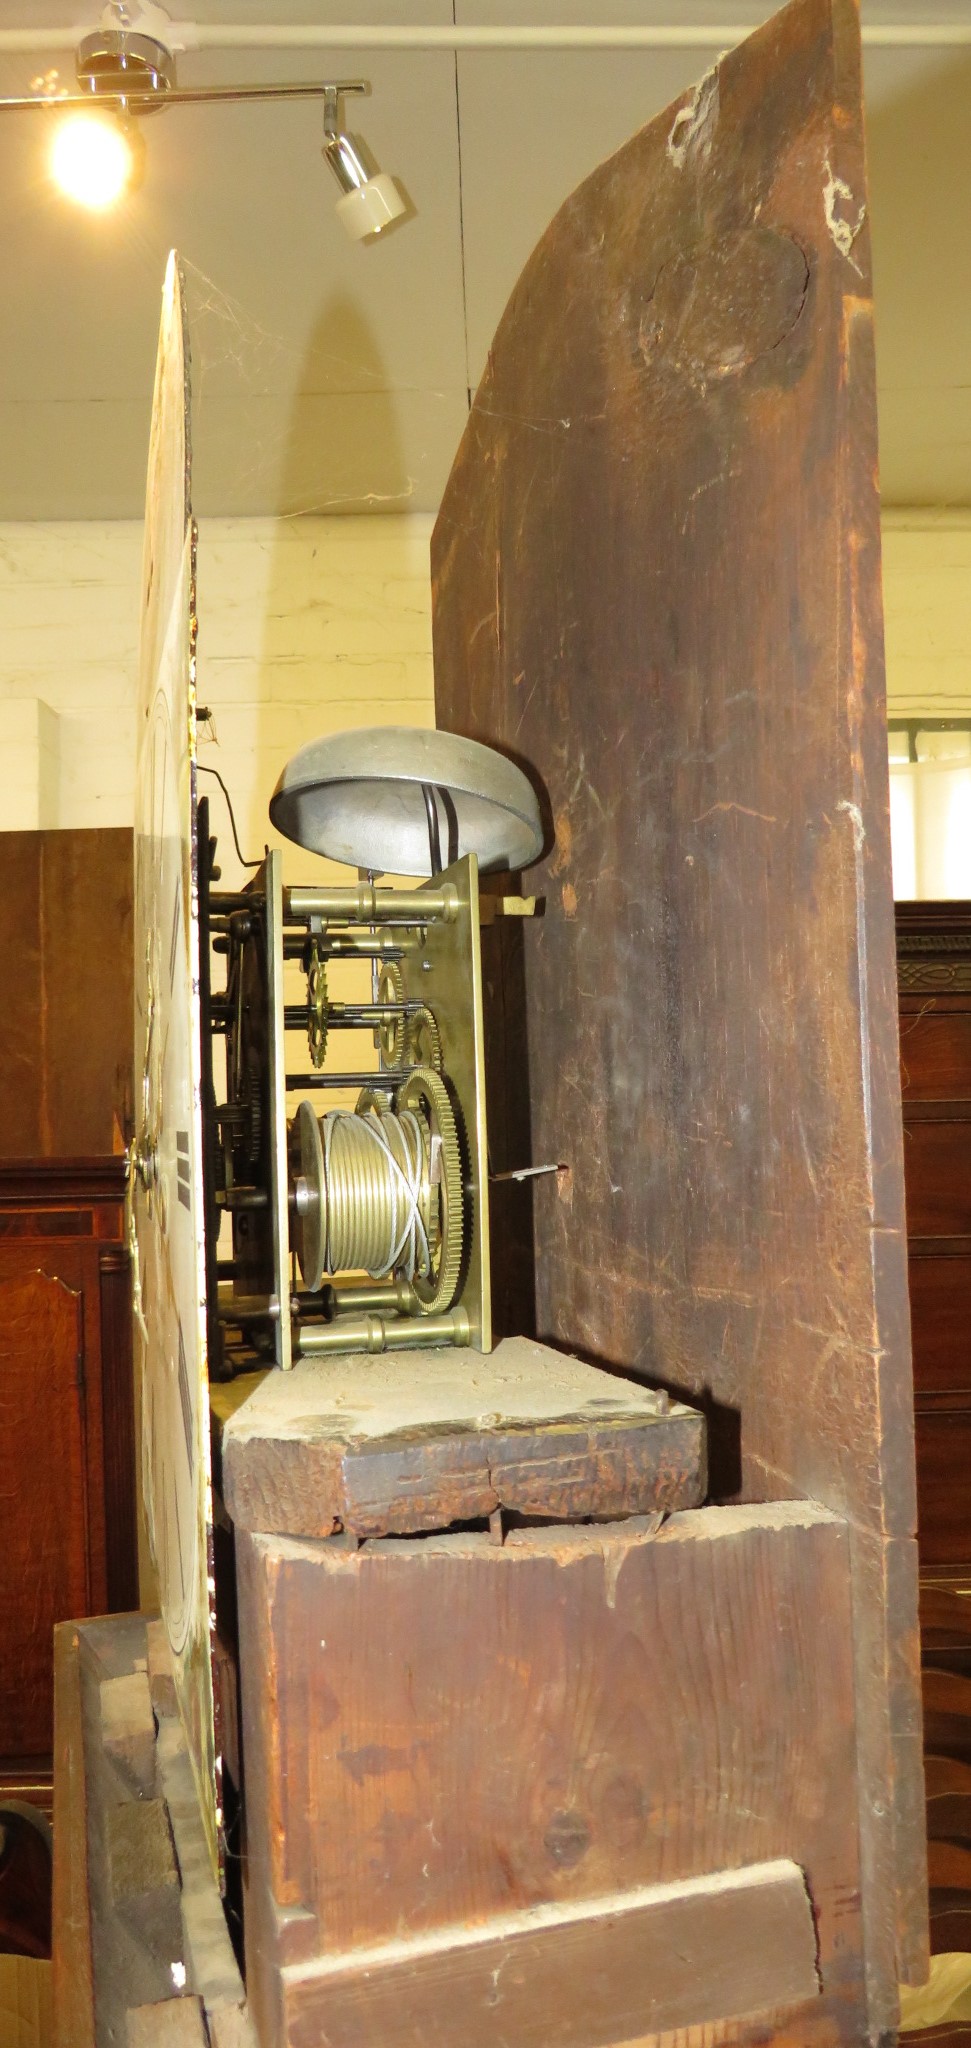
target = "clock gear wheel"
x: 425, y: 1092
x: 413, y: 1037
x: 318, y: 1004
x: 423, y: 1039
x: 391, y: 1032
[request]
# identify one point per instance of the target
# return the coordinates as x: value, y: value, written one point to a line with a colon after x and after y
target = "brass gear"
x: 423, y: 1039
x: 391, y: 1031
x: 425, y: 1092
x: 318, y: 1006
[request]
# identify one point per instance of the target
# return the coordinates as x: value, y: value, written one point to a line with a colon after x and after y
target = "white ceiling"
x: 333, y: 376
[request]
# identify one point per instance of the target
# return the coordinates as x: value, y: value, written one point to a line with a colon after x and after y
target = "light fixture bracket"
x: 121, y: 65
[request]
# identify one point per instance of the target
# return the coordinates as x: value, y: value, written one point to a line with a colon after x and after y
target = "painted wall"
x: 927, y: 610
x: 310, y: 626
x: 305, y: 627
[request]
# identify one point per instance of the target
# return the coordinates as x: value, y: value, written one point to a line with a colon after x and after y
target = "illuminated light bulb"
x: 92, y: 160
x: 370, y: 207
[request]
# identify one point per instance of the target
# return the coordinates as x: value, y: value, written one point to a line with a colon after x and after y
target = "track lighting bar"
x: 123, y: 74
x: 135, y: 100
x: 930, y: 35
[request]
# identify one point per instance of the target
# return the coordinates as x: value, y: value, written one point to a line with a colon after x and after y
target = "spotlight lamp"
x: 94, y: 157
x: 369, y: 200
x: 124, y: 74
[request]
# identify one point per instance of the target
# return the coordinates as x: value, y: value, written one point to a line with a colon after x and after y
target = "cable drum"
x: 377, y: 1192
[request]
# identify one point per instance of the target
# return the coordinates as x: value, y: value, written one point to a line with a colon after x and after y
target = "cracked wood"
x: 382, y: 1447
x: 669, y: 474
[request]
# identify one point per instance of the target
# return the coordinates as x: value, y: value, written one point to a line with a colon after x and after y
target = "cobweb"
x: 232, y: 353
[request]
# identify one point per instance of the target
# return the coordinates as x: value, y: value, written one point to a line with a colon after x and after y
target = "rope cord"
x: 374, y: 1165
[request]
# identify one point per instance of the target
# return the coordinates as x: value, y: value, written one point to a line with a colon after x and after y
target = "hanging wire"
x: 204, y: 769
x: 451, y: 815
x: 434, y: 838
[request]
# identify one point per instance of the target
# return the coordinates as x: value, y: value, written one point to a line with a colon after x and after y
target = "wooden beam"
x: 656, y: 577
x: 384, y: 1448
x: 723, y: 1947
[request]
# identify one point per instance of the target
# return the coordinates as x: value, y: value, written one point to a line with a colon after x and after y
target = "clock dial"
x: 168, y: 1214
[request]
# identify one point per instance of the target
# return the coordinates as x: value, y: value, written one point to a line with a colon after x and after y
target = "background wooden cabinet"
x: 67, y: 1477
x: 934, y: 979
x: 66, y: 1492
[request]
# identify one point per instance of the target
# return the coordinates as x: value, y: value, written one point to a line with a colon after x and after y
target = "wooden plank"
x: 141, y: 1856
x: 128, y: 1729
x: 376, y: 1447
x: 729, y: 1945
x: 657, y: 583
x: 441, y: 1730
x: 139, y: 1924
x: 173, y: 2023
x: 72, y: 1983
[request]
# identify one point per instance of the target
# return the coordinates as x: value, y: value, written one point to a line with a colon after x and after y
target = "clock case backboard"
x: 167, y: 1202
x: 666, y: 501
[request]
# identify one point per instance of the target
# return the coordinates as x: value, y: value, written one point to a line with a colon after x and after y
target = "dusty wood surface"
x: 73, y: 1987
x: 175, y: 2023
x: 137, y: 1897
x: 657, y: 582
x: 438, y: 1732
x: 734, y: 1944
x: 392, y: 1446
x: 66, y: 1037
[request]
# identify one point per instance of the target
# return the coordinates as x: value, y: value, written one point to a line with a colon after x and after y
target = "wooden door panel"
x: 940, y: 1305
x: 944, y: 1487
x: 66, y: 919
x: 938, y: 1158
x: 43, y: 1495
x: 935, y: 1055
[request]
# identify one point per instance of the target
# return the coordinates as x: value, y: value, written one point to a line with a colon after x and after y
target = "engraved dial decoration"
x: 168, y: 1218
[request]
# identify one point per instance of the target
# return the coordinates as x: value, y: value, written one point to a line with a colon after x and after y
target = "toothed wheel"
x: 318, y: 1005
x: 425, y: 1092
x: 391, y: 1031
x: 423, y: 1039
